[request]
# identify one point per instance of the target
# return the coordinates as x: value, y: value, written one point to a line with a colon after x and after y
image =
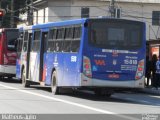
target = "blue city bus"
x: 100, y: 54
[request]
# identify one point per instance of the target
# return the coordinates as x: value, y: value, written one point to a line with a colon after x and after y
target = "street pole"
x: 30, y: 12
x: 12, y: 14
x: 112, y: 8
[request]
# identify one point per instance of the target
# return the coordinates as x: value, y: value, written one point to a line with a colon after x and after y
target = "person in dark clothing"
x: 153, y: 69
x: 148, y: 70
x: 157, y: 78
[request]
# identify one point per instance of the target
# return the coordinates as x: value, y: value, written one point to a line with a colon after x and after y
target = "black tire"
x: 54, y: 88
x: 25, y: 83
x: 108, y: 94
x: 10, y: 78
x: 98, y: 92
x: 101, y: 92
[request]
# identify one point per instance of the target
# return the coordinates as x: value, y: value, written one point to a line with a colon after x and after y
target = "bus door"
x: 34, y: 56
x: 19, y: 44
x: 42, y: 51
x: 28, y: 54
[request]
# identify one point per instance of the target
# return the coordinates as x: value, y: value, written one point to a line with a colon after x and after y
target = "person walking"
x: 153, y: 69
x: 157, y: 78
x: 148, y: 71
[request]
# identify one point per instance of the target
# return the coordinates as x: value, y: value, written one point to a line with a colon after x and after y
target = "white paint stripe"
x: 134, y: 100
x: 68, y: 102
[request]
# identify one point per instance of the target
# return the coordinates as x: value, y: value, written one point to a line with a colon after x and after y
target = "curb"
x: 151, y: 91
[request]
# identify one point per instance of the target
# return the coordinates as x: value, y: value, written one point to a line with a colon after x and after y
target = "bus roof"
x: 68, y: 22
x: 60, y: 23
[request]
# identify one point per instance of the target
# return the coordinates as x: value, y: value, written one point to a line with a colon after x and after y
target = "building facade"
x: 59, y: 10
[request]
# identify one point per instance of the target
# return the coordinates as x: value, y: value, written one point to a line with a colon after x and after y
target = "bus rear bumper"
x: 7, y: 70
x: 85, y: 81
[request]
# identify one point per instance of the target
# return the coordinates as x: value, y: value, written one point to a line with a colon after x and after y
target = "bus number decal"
x: 73, y: 58
x: 131, y: 62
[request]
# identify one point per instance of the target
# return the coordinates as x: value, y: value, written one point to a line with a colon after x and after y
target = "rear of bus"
x: 8, y: 52
x: 113, y: 54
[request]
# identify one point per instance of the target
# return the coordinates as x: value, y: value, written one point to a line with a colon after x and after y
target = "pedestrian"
x: 157, y: 78
x: 153, y: 69
x: 148, y: 71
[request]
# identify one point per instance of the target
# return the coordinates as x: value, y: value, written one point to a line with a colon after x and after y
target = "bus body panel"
x: 71, y: 69
x: 104, y: 65
x: 54, y: 61
x: 114, y: 67
x: 20, y: 64
x: 67, y: 67
x: 18, y: 69
x: 34, y: 67
x: 8, y: 52
x: 111, y: 84
x: 8, y: 69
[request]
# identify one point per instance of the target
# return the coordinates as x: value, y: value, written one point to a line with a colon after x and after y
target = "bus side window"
x: 19, y: 43
x: 68, y: 39
x: 11, y: 36
x: 76, y: 41
x: 51, y: 40
x: 60, y: 39
x: 21, y: 40
x: 36, y: 41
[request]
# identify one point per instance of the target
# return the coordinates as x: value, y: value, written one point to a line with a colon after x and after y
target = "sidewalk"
x: 151, y: 90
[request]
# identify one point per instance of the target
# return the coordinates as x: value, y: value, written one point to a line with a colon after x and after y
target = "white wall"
x: 135, y: 10
x: 59, y: 10
x: 142, y: 12
x: 41, y: 16
x: 138, y: 1
x: 71, y: 9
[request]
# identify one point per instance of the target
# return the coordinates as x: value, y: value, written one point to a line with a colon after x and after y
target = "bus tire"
x: 10, y: 78
x: 25, y: 83
x: 98, y: 92
x: 54, y: 87
x: 102, y: 92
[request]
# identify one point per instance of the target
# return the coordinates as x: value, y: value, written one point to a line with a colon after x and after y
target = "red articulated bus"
x: 8, y: 37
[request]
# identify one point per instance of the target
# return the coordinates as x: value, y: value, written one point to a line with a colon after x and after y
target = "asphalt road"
x: 15, y: 99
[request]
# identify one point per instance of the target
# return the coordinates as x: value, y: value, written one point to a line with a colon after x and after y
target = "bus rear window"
x: 12, y: 36
x: 115, y: 34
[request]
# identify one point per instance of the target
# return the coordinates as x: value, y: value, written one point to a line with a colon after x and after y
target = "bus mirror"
x: 86, y: 24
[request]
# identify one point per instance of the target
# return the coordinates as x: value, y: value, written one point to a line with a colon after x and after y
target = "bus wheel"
x: 25, y: 83
x: 98, y: 92
x: 54, y: 87
x: 102, y: 92
x: 9, y: 78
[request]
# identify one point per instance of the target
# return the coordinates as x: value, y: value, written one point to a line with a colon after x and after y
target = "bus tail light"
x: 1, y: 50
x: 1, y: 55
x: 5, y: 60
x: 140, y: 70
x: 87, y: 67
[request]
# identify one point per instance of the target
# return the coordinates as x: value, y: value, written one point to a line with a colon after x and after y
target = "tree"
x: 19, y: 7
